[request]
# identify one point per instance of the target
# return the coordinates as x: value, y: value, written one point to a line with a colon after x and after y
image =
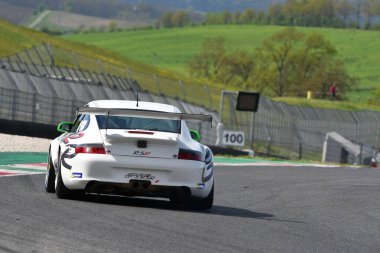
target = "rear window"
x: 125, y: 122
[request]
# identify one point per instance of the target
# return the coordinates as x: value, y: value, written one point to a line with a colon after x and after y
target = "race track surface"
x: 257, y: 209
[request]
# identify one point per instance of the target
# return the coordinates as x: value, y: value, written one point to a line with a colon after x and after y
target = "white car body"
x: 135, y: 162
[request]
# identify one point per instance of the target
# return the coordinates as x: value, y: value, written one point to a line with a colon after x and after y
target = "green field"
x: 171, y: 48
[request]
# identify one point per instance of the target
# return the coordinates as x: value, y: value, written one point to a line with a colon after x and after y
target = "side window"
x: 77, y: 122
x: 85, y: 122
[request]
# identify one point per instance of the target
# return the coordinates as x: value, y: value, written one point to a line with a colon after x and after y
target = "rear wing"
x: 145, y: 114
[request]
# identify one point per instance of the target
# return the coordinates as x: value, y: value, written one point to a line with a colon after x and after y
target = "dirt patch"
x: 17, y: 143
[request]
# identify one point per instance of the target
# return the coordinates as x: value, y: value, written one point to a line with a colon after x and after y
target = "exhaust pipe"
x: 135, y: 185
x: 140, y: 184
x: 145, y: 185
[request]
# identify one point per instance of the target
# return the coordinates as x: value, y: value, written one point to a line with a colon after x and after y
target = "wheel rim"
x: 46, y: 178
x: 56, y: 182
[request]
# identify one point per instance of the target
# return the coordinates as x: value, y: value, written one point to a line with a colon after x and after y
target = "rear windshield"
x: 125, y: 122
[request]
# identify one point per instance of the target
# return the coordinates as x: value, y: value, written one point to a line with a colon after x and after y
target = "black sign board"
x: 248, y: 101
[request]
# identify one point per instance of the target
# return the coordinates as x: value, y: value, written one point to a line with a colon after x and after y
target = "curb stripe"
x: 6, y: 173
x: 21, y: 169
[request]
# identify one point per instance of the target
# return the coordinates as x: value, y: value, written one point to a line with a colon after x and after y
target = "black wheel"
x: 60, y: 189
x: 203, y: 204
x: 50, y: 176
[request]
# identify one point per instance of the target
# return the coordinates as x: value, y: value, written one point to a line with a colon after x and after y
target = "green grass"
x: 172, y: 48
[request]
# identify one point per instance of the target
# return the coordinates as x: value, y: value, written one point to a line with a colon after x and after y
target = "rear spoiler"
x: 145, y: 114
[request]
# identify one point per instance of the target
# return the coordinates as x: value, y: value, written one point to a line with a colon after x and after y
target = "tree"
x: 226, y: 17
x: 370, y: 9
x: 291, y: 61
x: 345, y: 9
x: 248, y: 16
x: 166, y: 20
x: 279, y: 50
x: 275, y: 13
x: 112, y: 26
x: 208, y: 62
x: 180, y: 19
x: 237, y: 68
x: 311, y: 57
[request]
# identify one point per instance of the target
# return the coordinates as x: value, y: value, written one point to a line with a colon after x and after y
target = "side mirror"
x: 65, y: 127
x: 195, y: 135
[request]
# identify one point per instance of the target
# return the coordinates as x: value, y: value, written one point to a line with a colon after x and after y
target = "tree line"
x: 287, y: 63
x: 319, y: 13
x: 316, y: 13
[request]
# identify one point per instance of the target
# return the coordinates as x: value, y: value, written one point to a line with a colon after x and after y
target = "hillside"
x: 67, y: 21
x: 172, y: 48
x: 14, y: 39
x: 14, y: 13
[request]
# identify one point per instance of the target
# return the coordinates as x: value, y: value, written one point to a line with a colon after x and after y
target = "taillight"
x: 185, y: 154
x: 90, y: 150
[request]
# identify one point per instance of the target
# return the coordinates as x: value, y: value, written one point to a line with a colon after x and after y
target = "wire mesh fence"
x: 49, y: 101
x: 53, y: 62
x: 299, y: 132
x: 45, y: 84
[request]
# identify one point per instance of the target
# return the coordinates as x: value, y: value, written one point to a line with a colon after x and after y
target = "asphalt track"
x: 257, y: 209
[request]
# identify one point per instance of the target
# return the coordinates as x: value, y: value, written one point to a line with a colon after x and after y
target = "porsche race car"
x: 132, y: 148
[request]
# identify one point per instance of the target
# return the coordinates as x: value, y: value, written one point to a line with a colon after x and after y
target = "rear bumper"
x: 159, y: 172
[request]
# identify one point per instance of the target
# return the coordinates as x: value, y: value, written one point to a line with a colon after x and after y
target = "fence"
x: 45, y: 85
x: 299, y: 132
x: 61, y: 64
x: 49, y: 101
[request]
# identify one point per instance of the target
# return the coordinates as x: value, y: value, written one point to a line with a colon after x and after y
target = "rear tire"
x: 50, y: 176
x: 60, y: 189
x: 203, y: 204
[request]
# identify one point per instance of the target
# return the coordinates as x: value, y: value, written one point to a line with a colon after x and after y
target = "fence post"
x: 356, y: 126
x: 300, y: 151
x: 182, y: 87
x: 14, y: 104
x: 205, y: 86
x: 32, y: 62
x: 158, y: 84
x: 52, y: 61
x: 35, y: 107
x: 269, y: 140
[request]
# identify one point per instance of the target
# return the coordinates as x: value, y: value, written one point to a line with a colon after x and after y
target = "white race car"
x: 132, y: 148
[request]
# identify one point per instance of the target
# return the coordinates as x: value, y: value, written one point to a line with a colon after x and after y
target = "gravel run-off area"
x: 17, y: 143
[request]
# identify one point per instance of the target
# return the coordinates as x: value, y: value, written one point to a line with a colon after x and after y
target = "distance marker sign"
x: 233, y: 138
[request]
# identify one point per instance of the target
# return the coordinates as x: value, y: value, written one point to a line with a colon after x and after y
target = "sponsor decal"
x: 208, y: 178
x: 65, y: 156
x: 141, y: 176
x: 141, y: 153
x: 76, y: 175
x: 73, y: 136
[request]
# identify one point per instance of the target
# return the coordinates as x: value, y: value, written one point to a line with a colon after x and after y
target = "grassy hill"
x: 14, y: 39
x: 171, y: 48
